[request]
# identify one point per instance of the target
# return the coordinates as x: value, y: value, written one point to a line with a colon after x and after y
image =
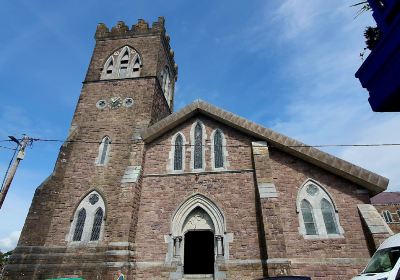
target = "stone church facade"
x: 196, y: 193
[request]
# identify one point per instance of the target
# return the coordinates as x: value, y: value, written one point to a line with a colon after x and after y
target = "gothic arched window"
x: 87, y: 224
x: 123, y: 63
x: 388, y: 216
x: 218, y: 149
x: 178, y: 152
x: 308, y: 217
x: 98, y: 220
x: 166, y: 83
x: 317, y: 213
x: 80, y: 224
x: 329, y: 217
x: 198, y: 147
x: 104, y: 149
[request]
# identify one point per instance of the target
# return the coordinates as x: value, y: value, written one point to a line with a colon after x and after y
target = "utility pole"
x: 20, y: 156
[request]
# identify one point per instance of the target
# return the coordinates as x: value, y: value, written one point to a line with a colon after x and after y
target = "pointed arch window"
x: 318, y: 216
x: 178, y: 152
x: 387, y: 216
x: 123, y: 63
x: 308, y: 217
x: 198, y: 147
x: 329, y: 217
x: 166, y: 83
x: 218, y: 149
x: 88, y: 222
x: 104, y: 149
x: 98, y: 220
x: 80, y: 224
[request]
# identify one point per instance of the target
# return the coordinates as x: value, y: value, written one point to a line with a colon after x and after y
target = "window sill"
x: 323, y: 237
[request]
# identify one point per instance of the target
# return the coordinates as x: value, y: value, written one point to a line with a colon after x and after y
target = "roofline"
x: 365, y: 178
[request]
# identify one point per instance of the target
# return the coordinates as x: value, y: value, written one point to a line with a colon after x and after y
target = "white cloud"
x: 10, y: 242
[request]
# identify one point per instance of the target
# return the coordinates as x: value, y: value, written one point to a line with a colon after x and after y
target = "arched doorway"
x: 199, y: 249
x: 198, y: 229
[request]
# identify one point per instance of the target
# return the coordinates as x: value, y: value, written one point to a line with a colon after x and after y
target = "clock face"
x: 115, y: 102
x: 128, y: 102
x: 101, y: 104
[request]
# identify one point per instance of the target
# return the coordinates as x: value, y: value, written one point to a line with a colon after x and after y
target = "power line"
x: 189, y: 145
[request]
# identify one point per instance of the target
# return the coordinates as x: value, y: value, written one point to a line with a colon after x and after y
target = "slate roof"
x: 386, y: 198
x: 370, y: 180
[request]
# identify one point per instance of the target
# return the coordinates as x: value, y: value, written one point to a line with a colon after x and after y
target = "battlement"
x: 141, y: 28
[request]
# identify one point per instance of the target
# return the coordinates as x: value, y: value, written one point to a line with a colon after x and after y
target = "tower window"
x: 98, y: 220
x: 104, y: 151
x: 80, y: 224
x: 87, y: 224
x: 125, y: 61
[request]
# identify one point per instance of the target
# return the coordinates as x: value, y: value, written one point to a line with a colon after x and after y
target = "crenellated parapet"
x: 141, y: 28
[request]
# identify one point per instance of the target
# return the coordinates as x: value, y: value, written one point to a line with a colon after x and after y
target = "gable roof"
x: 370, y: 180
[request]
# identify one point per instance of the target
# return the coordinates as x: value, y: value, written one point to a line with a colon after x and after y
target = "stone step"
x: 198, y: 277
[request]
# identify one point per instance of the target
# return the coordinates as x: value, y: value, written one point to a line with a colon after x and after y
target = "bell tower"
x: 88, y: 206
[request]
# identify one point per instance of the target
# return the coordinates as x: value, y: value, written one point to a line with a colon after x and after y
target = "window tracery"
x: 123, y: 63
x: 317, y: 213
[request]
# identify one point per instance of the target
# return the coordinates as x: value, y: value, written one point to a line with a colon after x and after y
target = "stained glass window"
x: 198, y: 146
x: 218, y: 152
x: 80, y: 223
x: 329, y: 217
x: 104, y: 146
x: 98, y: 219
x: 308, y: 217
x: 178, y: 153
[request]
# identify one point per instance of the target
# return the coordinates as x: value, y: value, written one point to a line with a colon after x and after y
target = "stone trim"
x: 197, y: 173
x: 372, y: 181
x: 374, y: 221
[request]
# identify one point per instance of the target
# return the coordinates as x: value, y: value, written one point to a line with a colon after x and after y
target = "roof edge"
x: 363, y: 177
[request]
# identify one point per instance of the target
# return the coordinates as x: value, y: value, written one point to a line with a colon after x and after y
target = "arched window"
x: 388, y: 216
x: 178, y: 152
x: 319, y: 216
x: 308, y: 217
x: 218, y: 149
x: 98, y: 220
x: 329, y: 217
x: 87, y: 224
x: 166, y: 83
x: 198, y: 147
x: 104, y: 149
x: 123, y: 63
x: 80, y: 224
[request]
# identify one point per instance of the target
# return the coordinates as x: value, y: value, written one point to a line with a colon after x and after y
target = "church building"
x: 198, y: 193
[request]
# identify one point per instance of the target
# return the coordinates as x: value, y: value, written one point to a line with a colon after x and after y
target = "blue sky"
x: 286, y: 64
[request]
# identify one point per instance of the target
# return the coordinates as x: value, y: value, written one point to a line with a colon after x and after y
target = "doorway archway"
x: 198, y: 229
